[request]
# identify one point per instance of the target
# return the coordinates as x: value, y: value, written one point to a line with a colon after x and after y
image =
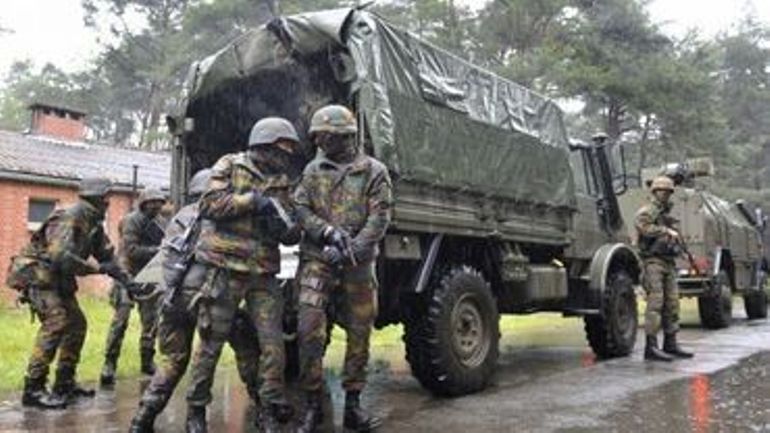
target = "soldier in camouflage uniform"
x: 141, y: 232
x: 343, y: 204
x: 658, y: 246
x: 246, y: 201
x: 67, y: 239
x: 178, y: 320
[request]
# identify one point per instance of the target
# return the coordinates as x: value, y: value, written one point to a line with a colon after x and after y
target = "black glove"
x: 114, y: 271
x: 332, y: 255
x: 261, y: 203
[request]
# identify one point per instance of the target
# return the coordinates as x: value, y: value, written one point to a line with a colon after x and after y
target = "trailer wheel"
x: 452, y: 344
x: 755, y: 301
x: 613, y: 333
x: 716, y: 306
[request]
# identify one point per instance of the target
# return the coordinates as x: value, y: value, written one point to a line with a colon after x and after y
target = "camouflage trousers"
x: 662, y: 297
x: 351, y: 294
x: 148, y: 316
x: 62, y: 328
x: 176, y: 330
x: 223, y: 292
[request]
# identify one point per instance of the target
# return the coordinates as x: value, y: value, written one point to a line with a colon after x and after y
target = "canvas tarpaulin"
x: 432, y: 117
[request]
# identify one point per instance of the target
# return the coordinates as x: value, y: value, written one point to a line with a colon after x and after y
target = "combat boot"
x: 107, y: 378
x: 356, y: 418
x: 35, y: 395
x: 313, y: 417
x: 276, y: 413
x: 196, y: 419
x: 652, y: 353
x: 671, y: 346
x: 144, y: 419
x: 148, y: 365
x: 66, y: 388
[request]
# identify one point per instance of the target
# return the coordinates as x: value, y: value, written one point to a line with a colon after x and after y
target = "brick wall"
x: 15, y: 232
x: 58, y: 123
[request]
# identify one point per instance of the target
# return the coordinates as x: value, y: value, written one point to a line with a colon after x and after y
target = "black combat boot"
x: 196, y: 419
x: 35, y: 395
x: 652, y: 353
x: 356, y: 418
x: 107, y: 378
x: 313, y: 417
x: 148, y: 365
x: 275, y: 414
x: 144, y: 419
x: 670, y: 346
x: 66, y: 388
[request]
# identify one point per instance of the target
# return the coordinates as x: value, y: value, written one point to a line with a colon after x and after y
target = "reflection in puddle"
x: 700, y: 403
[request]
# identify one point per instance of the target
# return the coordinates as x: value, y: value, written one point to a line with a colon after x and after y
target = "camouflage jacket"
x: 240, y: 239
x: 140, y: 237
x: 71, y: 238
x: 355, y: 197
x: 652, y: 222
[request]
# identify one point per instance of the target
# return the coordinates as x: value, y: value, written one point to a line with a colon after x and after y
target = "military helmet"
x: 271, y: 129
x: 662, y: 182
x: 199, y: 182
x: 334, y: 119
x: 151, y: 194
x: 94, y: 187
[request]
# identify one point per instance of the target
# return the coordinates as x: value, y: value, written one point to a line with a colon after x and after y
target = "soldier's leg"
x: 358, y: 309
x: 314, y: 285
x: 122, y: 312
x: 148, y: 314
x: 53, y: 322
x: 671, y: 316
x: 245, y: 344
x: 69, y: 351
x: 653, y: 281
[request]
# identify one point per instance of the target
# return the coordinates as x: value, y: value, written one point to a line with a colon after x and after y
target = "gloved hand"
x: 261, y: 203
x: 332, y: 255
x: 335, y: 237
x: 114, y: 271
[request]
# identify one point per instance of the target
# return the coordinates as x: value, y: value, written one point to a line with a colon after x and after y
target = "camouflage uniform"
x: 72, y: 238
x: 140, y: 236
x: 356, y: 198
x: 177, y: 327
x: 242, y: 253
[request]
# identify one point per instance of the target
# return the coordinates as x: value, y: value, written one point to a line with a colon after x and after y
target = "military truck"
x: 495, y: 210
x: 724, y: 240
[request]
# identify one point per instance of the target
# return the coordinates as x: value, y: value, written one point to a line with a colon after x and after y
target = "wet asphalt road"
x: 553, y: 388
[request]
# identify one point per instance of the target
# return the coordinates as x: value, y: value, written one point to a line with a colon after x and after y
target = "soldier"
x: 245, y: 200
x: 658, y: 246
x: 141, y: 232
x: 61, y: 247
x: 179, y: 315
x: 343, y: 204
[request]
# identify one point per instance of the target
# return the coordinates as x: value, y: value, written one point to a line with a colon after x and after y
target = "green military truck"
x: 495, y: 211
x: 723, y: 238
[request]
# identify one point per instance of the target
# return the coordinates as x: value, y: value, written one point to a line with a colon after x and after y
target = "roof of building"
x: 38, y: 156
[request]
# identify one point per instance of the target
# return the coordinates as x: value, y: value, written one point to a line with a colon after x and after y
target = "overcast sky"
x: 53, y: 31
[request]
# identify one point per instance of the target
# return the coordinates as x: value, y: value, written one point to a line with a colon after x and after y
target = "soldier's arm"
x: 62, y: 242
x: 379, y: 203
x: 645, y: 224
x: 312, y: 224
x: 131, y: 236
x: 103, y: 250
x: 219, y: 202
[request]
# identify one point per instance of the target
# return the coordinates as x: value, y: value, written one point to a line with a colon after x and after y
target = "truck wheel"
x: 613, y: 333
x: 716, y: 306
x: 452, y: 346
x: 755, y: 301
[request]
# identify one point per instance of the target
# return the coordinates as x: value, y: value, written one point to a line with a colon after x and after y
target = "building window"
x: 39, y: 209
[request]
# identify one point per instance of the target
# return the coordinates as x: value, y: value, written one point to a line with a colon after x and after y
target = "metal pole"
x: 134, y: 183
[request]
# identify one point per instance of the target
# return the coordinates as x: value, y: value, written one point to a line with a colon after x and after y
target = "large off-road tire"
x: 452, y: 344
x: 613, y: 333
x: 755, y: 301
x: 716, y: 306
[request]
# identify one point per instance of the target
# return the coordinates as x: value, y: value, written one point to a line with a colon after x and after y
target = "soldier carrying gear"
x: 177, y: 322
x: 343, y: 204
x: 240, y: 251
x: 657, y: 240
x: 141, y: 233
x: 66, y: 240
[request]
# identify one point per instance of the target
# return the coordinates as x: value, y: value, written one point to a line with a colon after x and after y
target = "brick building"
x: 40, y: 171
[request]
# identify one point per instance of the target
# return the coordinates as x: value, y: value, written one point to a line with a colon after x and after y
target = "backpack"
x: 30, y: 268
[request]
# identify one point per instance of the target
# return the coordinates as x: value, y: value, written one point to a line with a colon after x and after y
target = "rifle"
x: 135, y: 291
x: 682, y: 248
x: 176, y: 267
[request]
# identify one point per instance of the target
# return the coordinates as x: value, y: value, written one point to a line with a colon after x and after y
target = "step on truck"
x: 724, y: 239
x: 495, y: 211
